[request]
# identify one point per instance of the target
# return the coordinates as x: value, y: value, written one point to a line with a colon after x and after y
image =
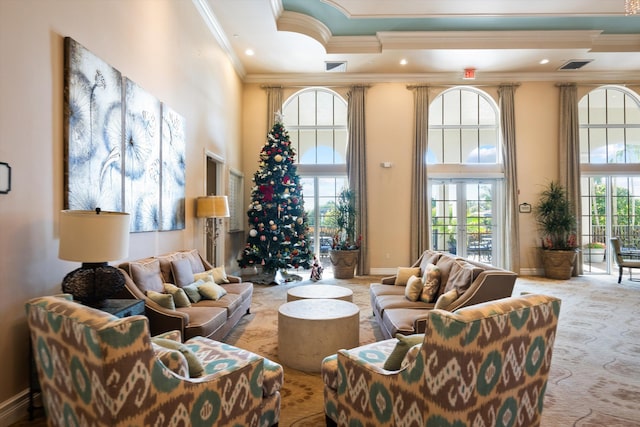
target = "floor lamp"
x: 213, y: 209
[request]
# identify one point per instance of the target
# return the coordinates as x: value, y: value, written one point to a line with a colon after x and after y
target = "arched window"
x: 316, y: 119
x: 609, y: 118
x: 465, y: 174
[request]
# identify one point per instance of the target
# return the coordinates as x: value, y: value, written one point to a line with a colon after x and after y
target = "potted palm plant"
x: 557, y: 224
x: 345, y: 248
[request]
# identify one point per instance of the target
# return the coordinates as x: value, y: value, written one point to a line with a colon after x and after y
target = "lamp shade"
x: 212, y: 207
x: 93, y: 236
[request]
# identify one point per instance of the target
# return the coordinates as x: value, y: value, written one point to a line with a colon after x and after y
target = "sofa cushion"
x: 165, y: 265
x: 405, y: 342
x: 431, y: 283
x: 400, y: 320
x: 162, y: 299
x: 429, y: 258
x: 180, y: 298
x: 462, y: 275
x: 404, y: 273
x: 413, y: 289
x: 182, y: 272
x: 445, y: 264
x: 146, y: 275
x: 194, y: 258
x: 203, y: 321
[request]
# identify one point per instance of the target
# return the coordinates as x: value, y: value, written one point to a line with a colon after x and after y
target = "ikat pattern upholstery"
x: 481, y: 366
x: 98, y: 370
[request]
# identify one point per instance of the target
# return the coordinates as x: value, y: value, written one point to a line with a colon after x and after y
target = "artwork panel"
x: 141, y: 158
x: 92, y: 131
x: 173, y: 181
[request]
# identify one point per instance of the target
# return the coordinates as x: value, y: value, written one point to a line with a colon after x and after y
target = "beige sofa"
x: 207, y: 318
x: 462, y: 283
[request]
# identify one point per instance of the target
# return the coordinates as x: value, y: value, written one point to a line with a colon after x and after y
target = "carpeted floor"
x: 595, y: 372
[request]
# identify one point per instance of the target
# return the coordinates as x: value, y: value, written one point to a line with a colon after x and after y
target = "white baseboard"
x: 15, y: 409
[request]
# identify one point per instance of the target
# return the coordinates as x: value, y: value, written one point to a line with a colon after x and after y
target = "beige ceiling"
x: 291, y: 46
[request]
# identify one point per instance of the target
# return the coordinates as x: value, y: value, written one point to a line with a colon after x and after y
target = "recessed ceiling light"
x: 544, y: 61
x: 249, y: 52
x: 403, y: 61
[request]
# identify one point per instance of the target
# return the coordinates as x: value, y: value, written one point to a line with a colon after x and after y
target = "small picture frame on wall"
x: 5, y: 178
x: 525, y: 208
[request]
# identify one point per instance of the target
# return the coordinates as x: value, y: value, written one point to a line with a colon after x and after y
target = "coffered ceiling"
x: 503, y: 40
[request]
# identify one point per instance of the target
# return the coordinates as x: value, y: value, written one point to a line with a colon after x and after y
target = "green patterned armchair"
x: 95, y: 369
x: 483, y: 365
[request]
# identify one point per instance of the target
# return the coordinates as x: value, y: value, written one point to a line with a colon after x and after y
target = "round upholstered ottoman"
x: 311, y: 329
x: 319, y: 292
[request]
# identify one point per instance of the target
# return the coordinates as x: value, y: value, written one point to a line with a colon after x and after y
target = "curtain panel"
x: 569, y: 157
x: 419, y: 239
x: 357, y: 169
x: 511, y: 231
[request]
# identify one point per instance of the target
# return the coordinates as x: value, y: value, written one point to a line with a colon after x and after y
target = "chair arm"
x: 345, y: 358
x: 170, y: 335
x: 389, y: 280
x: 234, y: 279
x: 489, y: 285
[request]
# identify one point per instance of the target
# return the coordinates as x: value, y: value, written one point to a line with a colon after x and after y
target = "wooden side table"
x: 117, y: 307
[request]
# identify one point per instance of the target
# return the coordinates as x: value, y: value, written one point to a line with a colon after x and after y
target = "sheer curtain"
x: 419, y: 240
x: 274, y: 104
x: 511, y: 233
x: 357, y: 170
x: 569, y: 156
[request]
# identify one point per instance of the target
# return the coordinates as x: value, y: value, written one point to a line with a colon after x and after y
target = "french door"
x: 320, y: 195
x: 463, y: 218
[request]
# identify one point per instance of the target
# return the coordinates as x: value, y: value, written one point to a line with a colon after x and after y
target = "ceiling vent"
x: 335, y: 66
x: 574, y: 64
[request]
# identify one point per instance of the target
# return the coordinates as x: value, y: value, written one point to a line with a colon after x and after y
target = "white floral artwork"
x: 93, y: 131
x: 173, y: 170
x: 124, y: 149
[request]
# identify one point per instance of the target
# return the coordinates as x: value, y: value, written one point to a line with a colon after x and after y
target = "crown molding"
x: 457, y: 8
x: 332, y: 79
x: 216, y: 30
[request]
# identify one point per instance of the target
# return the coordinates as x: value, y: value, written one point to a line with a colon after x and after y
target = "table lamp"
x: 93, y: 238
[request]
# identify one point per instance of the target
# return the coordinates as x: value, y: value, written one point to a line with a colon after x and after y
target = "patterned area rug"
x: 595, y: 370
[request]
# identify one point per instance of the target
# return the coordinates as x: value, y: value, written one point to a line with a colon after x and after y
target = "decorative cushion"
x: 217, y: 275
x: 172, y: 359
x: 446, y: 299
x: 146, y: 274
x: 192, y: 291
x: 211, y: 290
x: 403, y: 274
x: 182, y: 272
x: 180, y: 298
x: 405, y: 342
x: 164, y: 300
x: 195, y: 366
x: 462, y: 275
x: 431, y: 283
x: 413, y: 289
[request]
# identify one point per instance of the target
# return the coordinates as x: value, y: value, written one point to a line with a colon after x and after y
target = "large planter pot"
x: 344, y: 263
x: 592, y: 255
x: 559, y: 264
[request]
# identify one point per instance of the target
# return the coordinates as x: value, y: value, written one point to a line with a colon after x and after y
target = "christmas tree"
x: 278, y: 224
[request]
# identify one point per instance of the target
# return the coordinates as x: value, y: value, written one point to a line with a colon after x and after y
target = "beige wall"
x: 162, y: 45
